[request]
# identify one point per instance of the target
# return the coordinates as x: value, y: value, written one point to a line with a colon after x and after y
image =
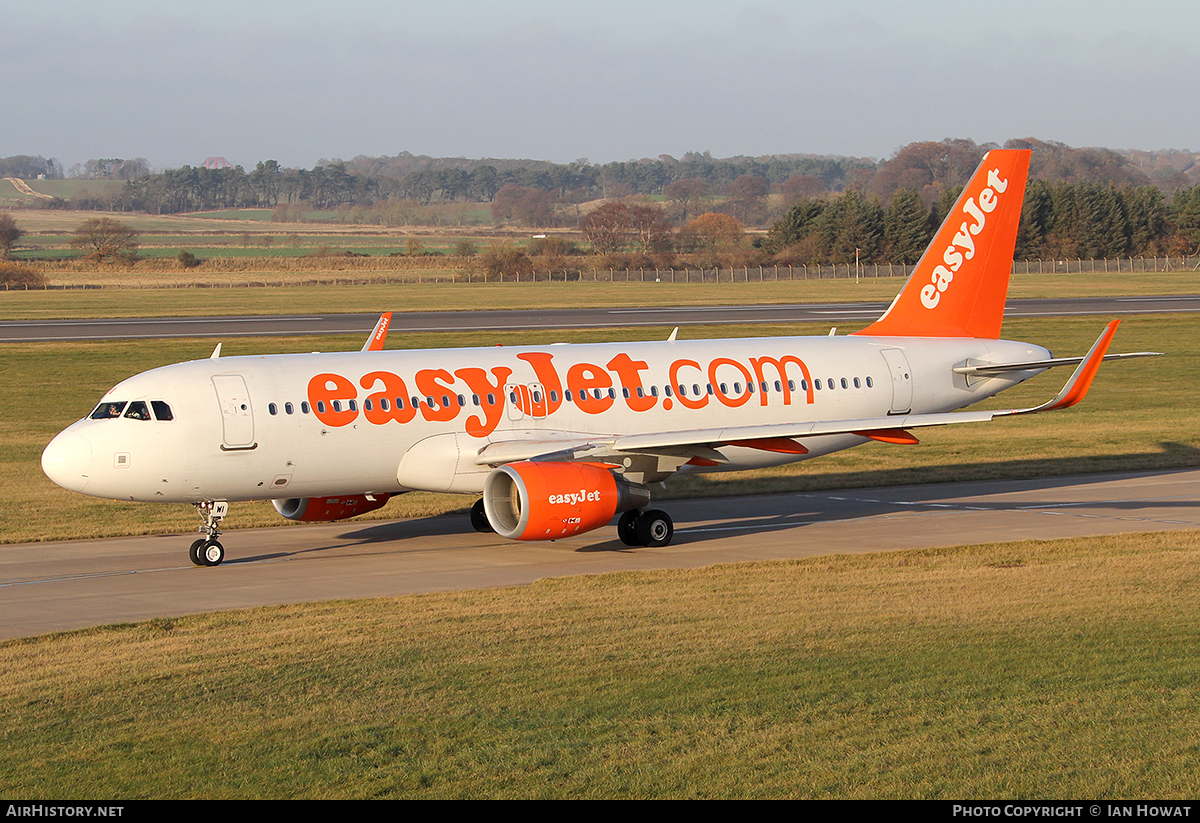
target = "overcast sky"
x: 560, y: 79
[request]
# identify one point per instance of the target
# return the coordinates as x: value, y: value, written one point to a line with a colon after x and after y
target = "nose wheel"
x: 207, y: 551
x: 652, y: 528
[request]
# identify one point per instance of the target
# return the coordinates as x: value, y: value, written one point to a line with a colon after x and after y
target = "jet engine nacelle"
x: 546, y: 501
x: 316, y: 509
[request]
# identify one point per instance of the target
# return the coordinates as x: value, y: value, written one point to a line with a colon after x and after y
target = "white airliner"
x: 558, y: 439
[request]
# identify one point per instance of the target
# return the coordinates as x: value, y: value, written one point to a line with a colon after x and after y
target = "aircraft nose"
x: 68, y: 460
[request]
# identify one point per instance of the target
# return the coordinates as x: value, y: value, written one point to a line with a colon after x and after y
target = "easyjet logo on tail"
x: 964, y: 239
x: 959, y: 286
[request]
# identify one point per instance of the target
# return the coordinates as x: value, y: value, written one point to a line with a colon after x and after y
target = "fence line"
x: 745, y: 274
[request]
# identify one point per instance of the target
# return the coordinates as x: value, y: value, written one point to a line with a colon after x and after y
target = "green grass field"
x: 1034, y: 670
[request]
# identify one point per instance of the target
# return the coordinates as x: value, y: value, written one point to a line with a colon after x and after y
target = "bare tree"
x: 10, y: 233
x: 106, y: 240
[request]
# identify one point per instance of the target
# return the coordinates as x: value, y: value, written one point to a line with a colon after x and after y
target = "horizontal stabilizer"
x: 983, y: 370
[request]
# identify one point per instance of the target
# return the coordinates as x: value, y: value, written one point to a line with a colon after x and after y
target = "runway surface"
x: 833, y: 314
x: 56, y: 586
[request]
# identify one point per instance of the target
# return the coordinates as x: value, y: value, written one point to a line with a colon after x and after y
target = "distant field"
x: 57, y: 188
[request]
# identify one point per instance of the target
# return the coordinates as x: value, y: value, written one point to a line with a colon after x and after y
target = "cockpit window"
x: 112, y: 408
x: 161, y: 410
x: 138, y: 411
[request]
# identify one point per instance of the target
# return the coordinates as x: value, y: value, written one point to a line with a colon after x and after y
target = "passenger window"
x: 845, y: 385
x: 304, y: 407
x: 353, y: 405
x: 831, y: 383
x: 857, y: 383
x: 161, y: 410
x: 367, y: 406
x: 337, y: 406
x: 272, y: 409
x: 321, y: 406
x: 287, y: 407
x: 870, y: 383
x: 106, y: 410
x: 138, y: 411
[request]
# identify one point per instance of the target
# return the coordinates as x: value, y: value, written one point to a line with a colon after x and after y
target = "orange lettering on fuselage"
x: 781, y: 365
x: 390, y: 404
x: 590, y: 383
x: 324, y: 390
x: 491, y: 398
x: 629, y: 373
x: 442, y: 407
x: 334, y: 397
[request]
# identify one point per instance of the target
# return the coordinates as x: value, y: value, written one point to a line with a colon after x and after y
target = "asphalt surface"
x: 849, y: 314
x: 58, y: 586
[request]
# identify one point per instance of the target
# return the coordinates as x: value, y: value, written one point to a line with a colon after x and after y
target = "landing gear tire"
x: 627, y: 529
x: 655, y: 528
x: 194, y: 552
x: 212, y: 553
x: 479, y: 521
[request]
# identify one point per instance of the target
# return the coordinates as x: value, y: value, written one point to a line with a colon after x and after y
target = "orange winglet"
x: 898, y: 436
x: 379, y: 334
x: 780, y: 445
x: 1081, y: 381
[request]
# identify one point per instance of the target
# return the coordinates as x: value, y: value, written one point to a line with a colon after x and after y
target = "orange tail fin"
x: 959, y: 287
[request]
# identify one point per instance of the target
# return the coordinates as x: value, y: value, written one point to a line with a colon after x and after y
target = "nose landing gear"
x: 207, y: 551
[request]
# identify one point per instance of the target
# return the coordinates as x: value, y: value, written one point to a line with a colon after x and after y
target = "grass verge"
x: 1019, y: 670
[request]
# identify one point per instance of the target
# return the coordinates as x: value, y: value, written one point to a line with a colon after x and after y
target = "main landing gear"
x: 207, y: 551
x: 479, y: 521
x: 651, y: 528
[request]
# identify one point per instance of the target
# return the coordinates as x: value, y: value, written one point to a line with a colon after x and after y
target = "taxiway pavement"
x: 833, y: 314
x: 68, y: 585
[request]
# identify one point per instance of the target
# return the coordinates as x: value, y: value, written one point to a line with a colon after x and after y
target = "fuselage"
x: 311, y: 425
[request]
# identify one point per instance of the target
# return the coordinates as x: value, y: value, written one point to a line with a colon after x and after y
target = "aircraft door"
x: 902, y: 384
x: 237, y: 415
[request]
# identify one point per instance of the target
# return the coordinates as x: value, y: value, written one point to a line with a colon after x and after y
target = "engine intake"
x: 546, y: 501
x: 317, y: 509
